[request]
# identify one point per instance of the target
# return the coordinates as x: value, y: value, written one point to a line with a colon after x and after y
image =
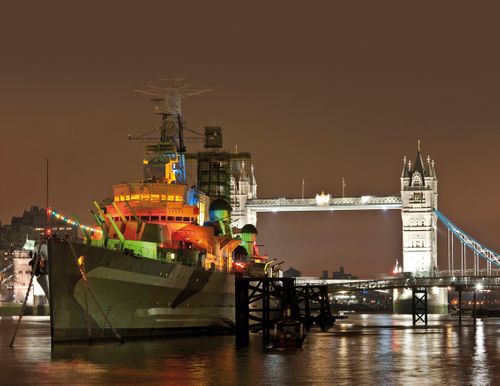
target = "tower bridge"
x: 418, y: 202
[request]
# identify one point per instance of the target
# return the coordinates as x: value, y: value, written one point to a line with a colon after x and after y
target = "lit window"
x: 122, y: 197
x: 163, y: 197
x: 178, y: 198
x: 171, y: 197
x: 144, y: 197
x: 127, y: 197
x: 135, y: 197
x: 117, y: 198
x: 155, y: 197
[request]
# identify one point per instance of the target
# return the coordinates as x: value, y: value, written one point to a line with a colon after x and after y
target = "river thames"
x: 360, y: 350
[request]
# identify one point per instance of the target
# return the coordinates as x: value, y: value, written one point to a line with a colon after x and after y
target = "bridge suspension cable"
x: 467, y: 241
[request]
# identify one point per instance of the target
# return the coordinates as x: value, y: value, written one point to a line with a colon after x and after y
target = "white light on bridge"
x: 323, y: 199
x: 479, y: 286
x: 365, y: 199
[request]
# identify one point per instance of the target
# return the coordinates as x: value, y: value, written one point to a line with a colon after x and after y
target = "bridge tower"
x: 419, y: 196
x: 243, y: 188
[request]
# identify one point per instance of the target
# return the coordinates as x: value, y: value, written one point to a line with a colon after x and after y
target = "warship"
x: 163, y: 256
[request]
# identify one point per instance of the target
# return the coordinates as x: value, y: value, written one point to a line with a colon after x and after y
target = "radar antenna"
x: 166, y: 96
x: 165, y: 161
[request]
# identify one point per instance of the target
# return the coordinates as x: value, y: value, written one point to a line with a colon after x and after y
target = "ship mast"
x: 166, y: 95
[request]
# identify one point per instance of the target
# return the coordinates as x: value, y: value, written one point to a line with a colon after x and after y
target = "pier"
x: 263, y: 302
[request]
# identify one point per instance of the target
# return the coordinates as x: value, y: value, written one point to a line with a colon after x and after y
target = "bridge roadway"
x: 324, y: 202
x: 468, y: 280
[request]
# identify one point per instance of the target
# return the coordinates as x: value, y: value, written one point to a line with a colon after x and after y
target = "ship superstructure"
x: 165, y: 258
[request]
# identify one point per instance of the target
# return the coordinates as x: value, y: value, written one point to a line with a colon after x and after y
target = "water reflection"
x: 480, y: 367
x: 387, y: 350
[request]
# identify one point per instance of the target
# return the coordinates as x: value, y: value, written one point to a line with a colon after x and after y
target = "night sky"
x: 317, y: 90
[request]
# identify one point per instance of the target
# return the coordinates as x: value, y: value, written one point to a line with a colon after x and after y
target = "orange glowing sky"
x: 324, y: 91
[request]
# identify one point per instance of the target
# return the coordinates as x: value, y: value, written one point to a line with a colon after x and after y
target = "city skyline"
x: 321, y: 98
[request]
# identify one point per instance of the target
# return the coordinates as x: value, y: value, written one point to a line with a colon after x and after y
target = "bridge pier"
x: 261, y: 302
x: 314, y: 306
x: 474, y: 306
x: 460, y: 306
x: 242, y: 311
x: 419, y: 305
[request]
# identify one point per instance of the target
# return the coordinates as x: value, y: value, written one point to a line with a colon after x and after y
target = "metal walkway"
x: 312, y: 204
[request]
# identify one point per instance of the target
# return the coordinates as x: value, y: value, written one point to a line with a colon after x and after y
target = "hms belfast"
x: 164, y: 255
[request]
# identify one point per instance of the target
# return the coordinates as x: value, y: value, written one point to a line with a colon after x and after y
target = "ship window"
x: 178, y: 198
x: 178, y: 219
x: 127, y: 197
x: 170, y: 218
x: 145, y: 218
x: 155, y: 197
x: 117, y: 198
x: 163, y: 197
x: 122, y: 197
x: 163, y: 218
x: 135, y: 197
x: 155, y: 218
x: 171, y: 197
x: 144, y: 197
x: 185, y: 219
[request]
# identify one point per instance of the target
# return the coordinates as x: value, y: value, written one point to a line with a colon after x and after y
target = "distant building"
x: 292, y: 272
x: 324, y: 276
x: 31, y: 224
x: 22, y: 272
x: 342, y: 275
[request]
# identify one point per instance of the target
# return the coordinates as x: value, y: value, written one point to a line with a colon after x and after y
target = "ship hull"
x: 138, y: 297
